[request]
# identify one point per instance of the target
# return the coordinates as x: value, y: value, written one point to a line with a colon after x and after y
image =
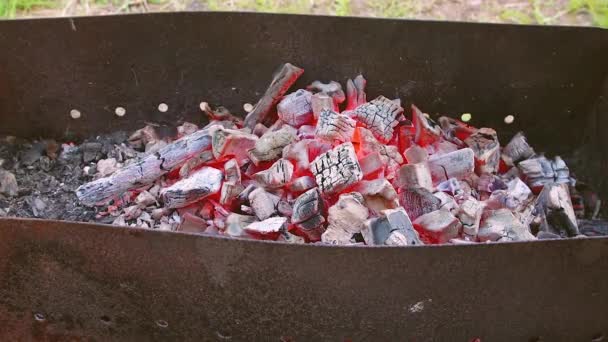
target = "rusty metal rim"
x: 137, y: 230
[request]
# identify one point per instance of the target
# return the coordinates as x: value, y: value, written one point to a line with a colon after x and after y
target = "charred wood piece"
x: 268, y: 229
x: 458, y: 164
x: 426, y: 131
x: 416, y: 154
x: 502, y: 225
x: 418, y: 201
x: 302, y: 184
x: 414, y: 176
x: 439, y: 226
x: 517, y: 150
x: 484, y: 144
x: 236, y: 223
x: 337, y: 169
x: 345, y: 218
x: 393, y: 227
x: 146, y: 170
x: 332, y: 89
x: 541, y: 171
x: 270, y: 146
x: 308, y: 214
x: 278, y: 175
x: 355, y: 92
x: 263, y: 203
x: 295, y: 109
x: 263, y: 111
x: 379, y: 116
x: 333, y: 126
x: 320, y: 102
x: 369, y: 144
x: 230, y: 142
x: 198, y: 185
x: 470, y: 216
x: 379, y: 194
x: 557, y: 214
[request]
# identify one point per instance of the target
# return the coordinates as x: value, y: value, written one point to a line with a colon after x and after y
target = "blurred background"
x: 541, y: 12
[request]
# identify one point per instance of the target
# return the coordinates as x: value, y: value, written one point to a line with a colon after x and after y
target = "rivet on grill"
x: 248, y: 107
x: 597, y: 338
x: 509, y: 119
x: 75, y: 114
x: 466, y: 117
x: 163, y: 107
x: 39, y: 317
x: 120, y: 111
x: 162, y: 323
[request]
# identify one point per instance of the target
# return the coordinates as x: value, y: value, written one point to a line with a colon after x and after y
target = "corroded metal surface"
x: 98, y: 282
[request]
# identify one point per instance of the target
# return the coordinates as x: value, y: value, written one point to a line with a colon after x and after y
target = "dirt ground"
x: 555, y: 12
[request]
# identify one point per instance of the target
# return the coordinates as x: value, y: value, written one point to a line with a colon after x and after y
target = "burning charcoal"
x: 295, y: 109
x: 489, y: 183
x: 158, y: 213
x: 345, y: 218
x: 518, y: 194
x: 282, y: 81
x: 270, y: 145
x: 235, y: 224
x: 470, y: 215
x: 418, y: 201
x: 438, y: 226
x: 186, y: 128
x: 484, y: 144
x: 517, y: 150
x: 443, y: 147
x: 259, y: 130
x: 277, y: 175
x: 455, y: 131
x: 230, y: 190
x: 555, y: 205
x: 142, y: 137
x: 230, y: 142
x: 355, y: 92
x: 447, y: 202
x: 232, y: 172
x: 334, y: 126
x: 332, y: 89
x: 416, y: 154
x: 371, y: 164
x: 413, y: 176
x: 379, y: 194
x: 91, y: 151
x: 457, y: 164
x: 307, y: 132
x: 379, y: 116
x: 502, y: 225
x: 426, y: 130
x: 8, y: 184
x: 308, y: 214
x: 379, y: 231
x: 145, y: 199
x: 510, y: 175
x: 200, y: 184
x: 538, y: 171
x: 106, y: 167
x: 192, y: 224
x: 320, y: 102
x: 155, y: 146
x: 369, y: 144
x: 220, y: 114
x: 146, y: 170
x: 290, y: 238
x: 451, y: 186
x: 562, y: 173
x: 285, y: 208
x: 268, y: 229
x: 302, y: 184
x: 337, y: 169
x: 264, y: 204
x: 298, y: 152
x: 132, y: 212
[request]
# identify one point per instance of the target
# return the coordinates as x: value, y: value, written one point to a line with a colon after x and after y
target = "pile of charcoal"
x: 326, y: 165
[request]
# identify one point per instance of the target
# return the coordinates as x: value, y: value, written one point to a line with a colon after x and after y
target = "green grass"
x: 342, y: 7
x: 598, y: 9
x: 518, y: 17
x: 9, y: 8
x: 393, y: 8
x: 276, y: 6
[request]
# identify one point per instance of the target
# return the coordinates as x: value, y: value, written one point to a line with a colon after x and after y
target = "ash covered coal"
x: 315, y: 165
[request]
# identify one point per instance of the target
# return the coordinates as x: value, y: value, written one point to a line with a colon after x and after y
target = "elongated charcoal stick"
x: 146, y: 170
x: 263, y: 111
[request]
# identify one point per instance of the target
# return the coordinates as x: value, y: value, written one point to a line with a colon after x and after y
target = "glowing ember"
x: 365, y: 174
